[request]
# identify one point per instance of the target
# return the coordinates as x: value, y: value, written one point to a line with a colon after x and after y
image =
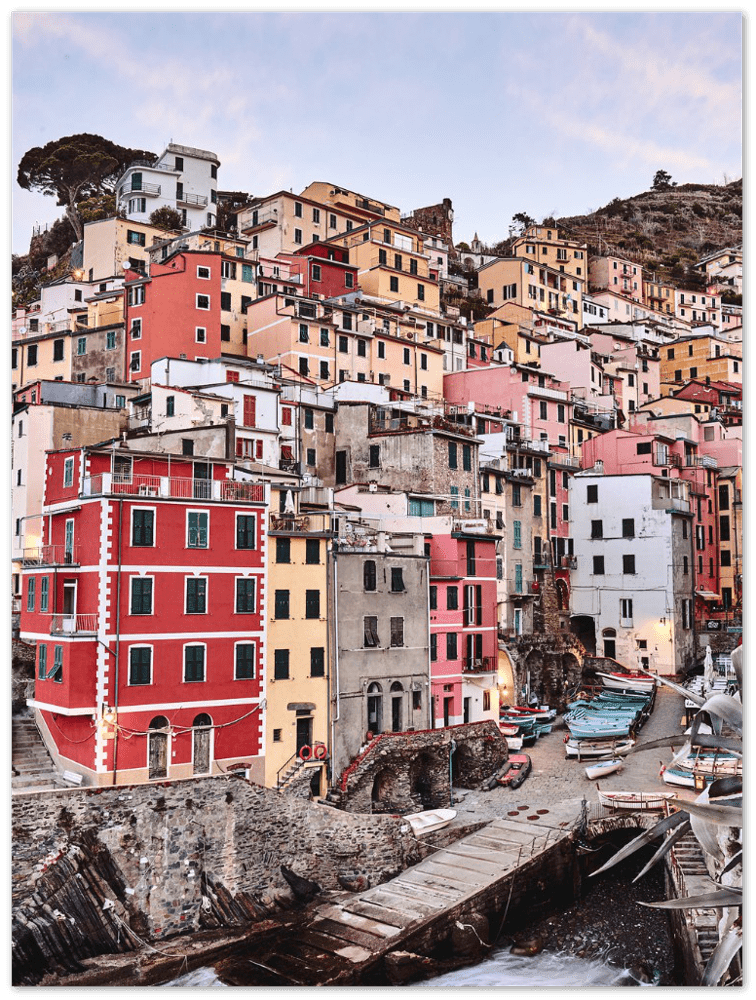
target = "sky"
x: 543, y: 113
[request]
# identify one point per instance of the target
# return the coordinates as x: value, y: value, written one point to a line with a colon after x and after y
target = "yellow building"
x: 109, y: 243
x: 499, y: 332
x: 543, y: 245
x: 532, y: 285
x: 730, y: 507
x: 392, y: 264
x: 659, y: 296
x: 350, y: 202
x: 284, y: 222
x: 299, y: 651
x: 701, y: 356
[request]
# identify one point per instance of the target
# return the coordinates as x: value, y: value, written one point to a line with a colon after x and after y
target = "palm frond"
x: 714, y: 900
x: 647, y: 837
x: 668, y: 843
x: 722, y: 956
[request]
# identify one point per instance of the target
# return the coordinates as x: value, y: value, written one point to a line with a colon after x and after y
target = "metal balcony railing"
x: 73, y: 625
x: 51, y: 555
x: 193, y: 200
x: 183, y: 488
x: 145, y: 188
x: 480, y: 665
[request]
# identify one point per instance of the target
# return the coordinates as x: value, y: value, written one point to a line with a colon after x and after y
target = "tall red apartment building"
x: 147, y: 603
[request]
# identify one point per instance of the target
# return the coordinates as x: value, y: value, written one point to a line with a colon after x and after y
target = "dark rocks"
x: 353, y: 883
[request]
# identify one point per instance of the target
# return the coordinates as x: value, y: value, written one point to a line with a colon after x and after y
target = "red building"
x: 146, y: 602
x: 326, y: 271
x: 464, y: 643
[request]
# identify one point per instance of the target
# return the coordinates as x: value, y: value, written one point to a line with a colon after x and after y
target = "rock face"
x: 102, y: 870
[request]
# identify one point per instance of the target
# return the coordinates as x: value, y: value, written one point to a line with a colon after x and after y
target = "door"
x: 396, y: 713
x: 448, y: 702
x: 375, y: 709
x: 466, y: 709
x: 610, y: 648
x: 68, y: 548
x: 69, y: 606
x: 202, y: 483
x: 157, y: 748
x: 304, y: 733
x: 341, y: 467
x: 201, y: 735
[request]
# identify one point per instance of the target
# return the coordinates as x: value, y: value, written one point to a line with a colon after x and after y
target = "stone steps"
x: 32, y: 766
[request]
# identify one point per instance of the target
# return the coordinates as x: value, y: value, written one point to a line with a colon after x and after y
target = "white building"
x: 634, y: 578
x: 182, y: 178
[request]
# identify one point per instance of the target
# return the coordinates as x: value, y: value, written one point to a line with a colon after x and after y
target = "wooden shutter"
x: 249, y: 411
x: 397, y: 631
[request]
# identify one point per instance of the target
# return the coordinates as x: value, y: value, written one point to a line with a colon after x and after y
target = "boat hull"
x: 430, y: 820
x: 599, y: 769
x: 584, y: 750
x: 635, y: 801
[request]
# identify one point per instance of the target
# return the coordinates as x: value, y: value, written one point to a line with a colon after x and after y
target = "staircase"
x: 693, y: 879
x: 290, y: 773
x: 32, y: 766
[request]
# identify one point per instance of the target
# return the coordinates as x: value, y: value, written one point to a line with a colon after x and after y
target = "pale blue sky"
x: 544, y: 113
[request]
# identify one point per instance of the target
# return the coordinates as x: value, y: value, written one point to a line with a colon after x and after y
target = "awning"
x: 707, y: 595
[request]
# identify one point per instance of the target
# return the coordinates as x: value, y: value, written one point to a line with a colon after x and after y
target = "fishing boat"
x: 602, y: 767
x: 430, y: 820
x: 627, y: 682
x: 634, y: 801
x: 541, y: 714
x: 596, y: 749
x: 699, y: 769
x: 594, y: 730
x: 544, y: 728
x: 519, y: 768
x: 514, y: 742
x: 509, y: 728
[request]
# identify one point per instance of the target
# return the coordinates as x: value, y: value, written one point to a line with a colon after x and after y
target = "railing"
x: 262, y: 220
x: 480, y: 665
x: 198, y: 200
x: 73, y: 624
x: 291, y: 524
x: 675, y: 503
x: 183, y: 488
x: 51, y: 555
x: 664, y: 458
x: 146, y: 188
x: 473, y: 525
x: 572, y: 461
x: 704, y: 461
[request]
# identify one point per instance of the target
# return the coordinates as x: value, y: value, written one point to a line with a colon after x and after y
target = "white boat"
x: 602, y: 767
x: 634, y: 801
x: 430, y: 820
x: 514, y: 742
x: 597, y: 749
x: 627, y: 682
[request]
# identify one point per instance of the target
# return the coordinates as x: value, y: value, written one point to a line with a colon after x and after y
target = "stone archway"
x: 462, y: 764
x: 385, y: 789
x: 423, y: 777
x: 584, y: 627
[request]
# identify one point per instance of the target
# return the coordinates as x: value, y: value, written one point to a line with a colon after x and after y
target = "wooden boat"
x: 627, y: 682
x: 701, y: 769
x: 597, y: 749
x: 587, y: 731
x: 509, y: 728
x: 430, y: 820
x: 544, y: 728
x: 634, y: 801
x: 519, y: 768
x: 602, y: 767
x: 542, y: 714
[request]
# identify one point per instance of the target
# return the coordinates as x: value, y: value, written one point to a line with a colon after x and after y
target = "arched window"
x: 201, y: 741
x: 397, y: 704
x: 375, y: 708
x: 610, y: 646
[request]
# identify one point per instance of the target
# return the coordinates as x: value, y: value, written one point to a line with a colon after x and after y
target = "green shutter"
x: 30, y: 593
x: 517, y: 526
x: 197, y: 529
x: 42, y: 672
x: 43, y: 595
x: 245, y: 661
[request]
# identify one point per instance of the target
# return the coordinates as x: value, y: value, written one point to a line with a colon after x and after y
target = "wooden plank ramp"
x: 359, y: 927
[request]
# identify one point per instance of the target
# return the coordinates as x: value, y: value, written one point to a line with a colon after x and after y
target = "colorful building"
x: 146, y: 600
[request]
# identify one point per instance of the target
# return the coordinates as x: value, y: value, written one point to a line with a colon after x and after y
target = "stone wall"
x: 408, y: 772
x: 554, y: 661
x: 435, y: 220
x: 99, y: 870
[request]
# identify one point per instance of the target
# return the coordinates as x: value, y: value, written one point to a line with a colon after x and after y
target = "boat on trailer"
x: 635, y: 801
x: 593, y: 749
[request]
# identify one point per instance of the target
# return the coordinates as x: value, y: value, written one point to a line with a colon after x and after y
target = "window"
x: 420, y: 293
x: 281, y: 665
x: 142, y: 527
x: 724, y: 528
x: 57, y: 669
x: 140, y: 665
x: 43, y: 594
x: 187, y: 446
x: 196, y: 595
x: 298, y: 236
x: 724, y: 498
x: 194, y: 663
x: 311, y: 457
x: 626, y: 610
x: 452, y: 599
x: 283, y: 550
x: 543, y: 410
x: 136, y: 296
x: 203, y: 302
x: 200, y: 335
x: 316, y: 272
x: 628, y: 564
x: 452, y: 455
x: 317, y: 661
x: 141, y: 595
x: 451, y: 645
x: 31, y: 356
x: 397, y: 581
x: 135, y: 238
x: 81, y: 345
x: 454, y: 491
x: 245, y: 595
x: 325, y: 371
x: 628, y: 527
x: 369, y: 575
x: 466, y: 458
x: 244, y: 661
x: 374, y: 456
x: 135, y: 362
x: 312, y: 553
x: 598, y: 565
x: 433, y: 598
x: 397, y: 631
x: 245, y: 531
x: 434, y: 647
x: 298, y: 209
x: 197, y: 522
x: 725, y: 558
x: 42, y: 670
x: 597, y: 529
x: 68, y: 468
x: 370, y: 631
x: 304, y: 333
x: 203, y: 272
x: 282, y: 604
x: 170, y: 406
x: 30, y: 593
x: 58, y: 346
x: 136, y: 329
x: 394, y: 284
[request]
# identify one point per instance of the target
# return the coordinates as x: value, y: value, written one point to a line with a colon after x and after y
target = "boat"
x: 519, y: 768
x: 602, y: 767
x: 430, y: 820
x: 514, y: 742
x: 699, y: 769
x: 597, y: 749
x: 509, y: 729
x: 627, y: 682
x: 542, y: 714
x: 634, y: 801
x: 586, y: 731
x: 544, y: 728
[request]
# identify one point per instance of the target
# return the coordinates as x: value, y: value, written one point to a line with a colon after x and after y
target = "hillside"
x: 665, y: 230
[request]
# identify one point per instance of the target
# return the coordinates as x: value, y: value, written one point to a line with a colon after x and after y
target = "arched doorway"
x: 563, y: 595
x: 375, y: 708
x: 462, y: 762
x: 397, y: 702
x: 384, y: 786
x: 584, y: 627
x: 157, y: 748
x: 421, y: 774
x: 609, y: 637
x: 202, y: 735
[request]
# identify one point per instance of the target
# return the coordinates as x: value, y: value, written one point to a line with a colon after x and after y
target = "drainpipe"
x: 335, y: 719
x: 118, y: 641
x: 452, y: 748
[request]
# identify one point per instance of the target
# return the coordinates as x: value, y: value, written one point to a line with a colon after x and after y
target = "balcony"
x: 473, y: 526
x: 663, y: 457
x: 192, y: 200
x: 289, y: 524
x: 165, y: 488
x: 262, y: 219
x: 51, y: 555
x: 73, y: 625
x: 153, y: 190
x: 700, y: 461
x: 480, y: 665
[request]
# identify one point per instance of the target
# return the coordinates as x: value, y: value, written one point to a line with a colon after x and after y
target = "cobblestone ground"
x: 560, y: 785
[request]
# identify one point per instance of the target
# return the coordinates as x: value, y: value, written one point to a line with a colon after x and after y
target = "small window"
x: 451, y: 645
x: 283, y: 550
x: 452, y: 599
x: 374, y: 459
x: 311, y: 457
x: 245, y: 594
x: 140, y: 665
x: 244, y: 661
x: 370, y: 631
x: 312, y: 554
x: 433, y: 598
x: 628, y: 564
x: 141, y: 596
x: 203, y: 302
x: 245, y: 531
x: 452, y: 455
x: 196, y: 595
x: 598, y: 565
x: 197, y: 524
x: 397, y: 580
x: 628, y: 527
x: 597, y: 529
x: 194, y: 663
x: 592, y: 494
x: 317, y: 661
x: 312, y: 604
x: 282, y: 604
x: 68, y: 470
x: 397, y: 631
x: 369, y: 575
x: 142, y: 527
